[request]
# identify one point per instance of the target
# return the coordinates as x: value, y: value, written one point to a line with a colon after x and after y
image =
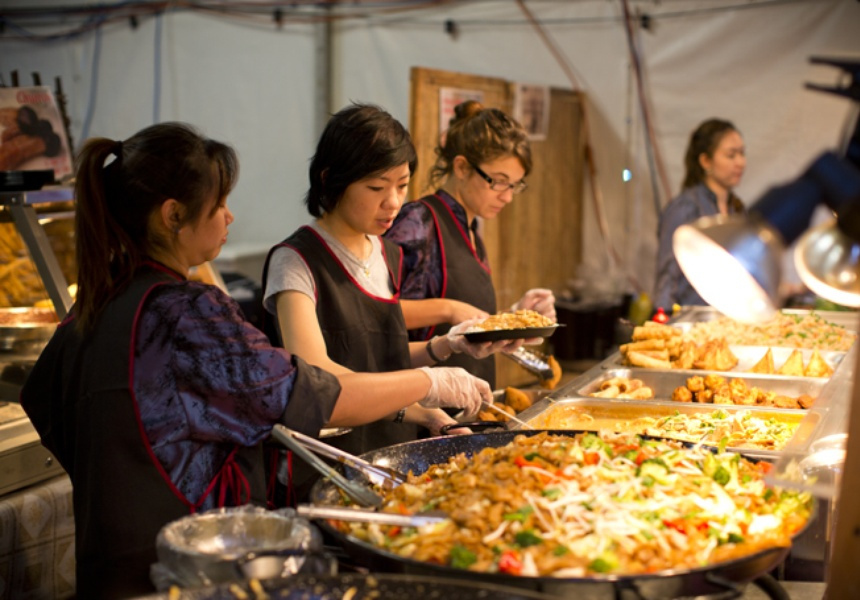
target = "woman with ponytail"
x: 482, y: 163
x: 714, y: 162
x: 154, y: 393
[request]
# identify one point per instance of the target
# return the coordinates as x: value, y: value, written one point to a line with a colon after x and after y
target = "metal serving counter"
x: 809, y: 460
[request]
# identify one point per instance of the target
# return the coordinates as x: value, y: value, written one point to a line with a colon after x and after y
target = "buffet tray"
x: 850, y: 320
x: 748, y: 356
x: 24, y: 329
x: 599, y: 414
x: 663, y: 383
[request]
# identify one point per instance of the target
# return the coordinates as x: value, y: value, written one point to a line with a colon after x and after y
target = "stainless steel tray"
x: 850, y: 320
x: 748, y: 356
x: 663, y: 383
x: 23, y: 328
x: 595, y: 414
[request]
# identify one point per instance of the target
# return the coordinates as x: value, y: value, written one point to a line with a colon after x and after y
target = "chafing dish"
x: 595, y: 414
x: 663, y: 383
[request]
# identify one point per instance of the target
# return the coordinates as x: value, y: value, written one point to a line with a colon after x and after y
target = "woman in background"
x: 482, y: 163
x: 715, y: 161
x: 154, y: 393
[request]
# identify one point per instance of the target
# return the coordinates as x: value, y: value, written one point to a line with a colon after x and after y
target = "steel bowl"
x: 220, y: 545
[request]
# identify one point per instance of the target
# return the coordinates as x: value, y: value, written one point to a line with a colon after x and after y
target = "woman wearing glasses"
x: 482, y: 164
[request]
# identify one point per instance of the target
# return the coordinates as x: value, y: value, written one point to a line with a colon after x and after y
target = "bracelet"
x: 432, y: 354
x: 400, y: 414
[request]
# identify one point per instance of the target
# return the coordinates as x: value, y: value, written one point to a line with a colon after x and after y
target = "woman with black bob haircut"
x: 332, y: 288
x: 155, y: 393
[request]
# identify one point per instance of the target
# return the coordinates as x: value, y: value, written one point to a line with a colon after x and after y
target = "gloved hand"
x: 539, y: 300
x: 455, y: 387
x: 458, y: 342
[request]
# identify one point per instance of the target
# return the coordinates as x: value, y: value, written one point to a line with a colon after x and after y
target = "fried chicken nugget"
x: 682, y: 394
x: 556, y: 374
x: 517, y: 399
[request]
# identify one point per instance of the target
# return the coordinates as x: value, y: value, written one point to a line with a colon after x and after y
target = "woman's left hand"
x: 539, y: 300
x: 458, y: 342
x: 436, y: 419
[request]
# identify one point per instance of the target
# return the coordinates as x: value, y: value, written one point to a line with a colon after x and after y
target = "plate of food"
x: 520, y: 324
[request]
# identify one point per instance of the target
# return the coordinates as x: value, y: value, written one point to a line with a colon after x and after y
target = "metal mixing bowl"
x: 215, y: 546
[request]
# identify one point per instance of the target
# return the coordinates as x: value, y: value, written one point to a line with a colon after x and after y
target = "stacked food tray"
x: 574, y: 405
x: 583, y: 404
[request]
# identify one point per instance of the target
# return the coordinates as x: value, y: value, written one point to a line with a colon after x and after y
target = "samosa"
x: 793, y: 366
x: 765, y: 365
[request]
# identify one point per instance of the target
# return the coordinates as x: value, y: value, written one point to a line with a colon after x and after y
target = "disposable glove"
x: 539, y: 300
x: 455, y: 387
x: 458, y: 342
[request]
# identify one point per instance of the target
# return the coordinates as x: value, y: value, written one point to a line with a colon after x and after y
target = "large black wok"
x: 357, y: 587
x: 728, y: 577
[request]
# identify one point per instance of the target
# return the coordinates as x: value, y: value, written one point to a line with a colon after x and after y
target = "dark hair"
x: 480, y: 135
x: 114, y: 202
x: 704, y: 140
x: 360, y: 141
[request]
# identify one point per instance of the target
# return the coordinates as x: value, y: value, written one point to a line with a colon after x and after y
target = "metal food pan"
x: 663, y: 383
x: 596, y: 414
x: 690, y: 315
x: 748, y: 356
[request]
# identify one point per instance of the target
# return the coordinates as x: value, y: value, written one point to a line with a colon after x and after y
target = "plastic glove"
x: 539, y: 300
x: 455, y: 387
x: 458, y: 342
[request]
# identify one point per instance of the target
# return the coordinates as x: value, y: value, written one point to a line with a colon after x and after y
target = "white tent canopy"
x: 244, y: 80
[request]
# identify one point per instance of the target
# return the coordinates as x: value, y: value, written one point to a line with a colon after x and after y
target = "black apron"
x: 79, y: 398
x: 362, y: 332
x: 464, y: 278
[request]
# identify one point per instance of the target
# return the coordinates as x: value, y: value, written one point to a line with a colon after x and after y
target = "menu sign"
x: 32, y: 136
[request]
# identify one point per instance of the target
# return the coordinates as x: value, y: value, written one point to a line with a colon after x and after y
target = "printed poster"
x: 32, y: 136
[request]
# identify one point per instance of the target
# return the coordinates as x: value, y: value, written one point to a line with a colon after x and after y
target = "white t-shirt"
x: 289, y: 272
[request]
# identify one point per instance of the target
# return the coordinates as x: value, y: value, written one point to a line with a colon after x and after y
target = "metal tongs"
x: 305, y: 447
x: 364, y: 515
x: 532, y: 361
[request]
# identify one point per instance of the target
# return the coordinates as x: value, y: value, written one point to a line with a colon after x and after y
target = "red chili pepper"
x: 640, y: 458
x: 521, y: 461
x: 510, y: 563
x: 394, y: 531
x: 765, y: 467
x: 676, y: 524
x: 591, y: 458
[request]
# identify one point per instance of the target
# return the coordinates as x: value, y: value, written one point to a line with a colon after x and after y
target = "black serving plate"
x: 494, y: 335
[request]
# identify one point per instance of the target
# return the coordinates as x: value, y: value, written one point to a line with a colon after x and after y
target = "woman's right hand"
x: 455, y: 387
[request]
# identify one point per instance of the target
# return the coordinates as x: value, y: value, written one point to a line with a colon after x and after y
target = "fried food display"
x: 593, y: 504
x: 793, y: 366
x: 810, y: 331
x: 622, y: 387
x: 714, y: 389
x: 658, y: 346
x: 520, y: 319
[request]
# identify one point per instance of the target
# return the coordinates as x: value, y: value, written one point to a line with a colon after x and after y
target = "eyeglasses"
x: 499, y: 185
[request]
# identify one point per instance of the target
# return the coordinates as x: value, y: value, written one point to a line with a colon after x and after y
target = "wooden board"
x: 536, y: 241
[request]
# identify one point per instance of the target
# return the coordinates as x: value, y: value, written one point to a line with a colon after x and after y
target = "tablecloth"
x: 37, y: 542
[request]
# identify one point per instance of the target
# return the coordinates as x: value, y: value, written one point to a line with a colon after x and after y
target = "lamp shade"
x: 734, y: 264
x: 828, y: 263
